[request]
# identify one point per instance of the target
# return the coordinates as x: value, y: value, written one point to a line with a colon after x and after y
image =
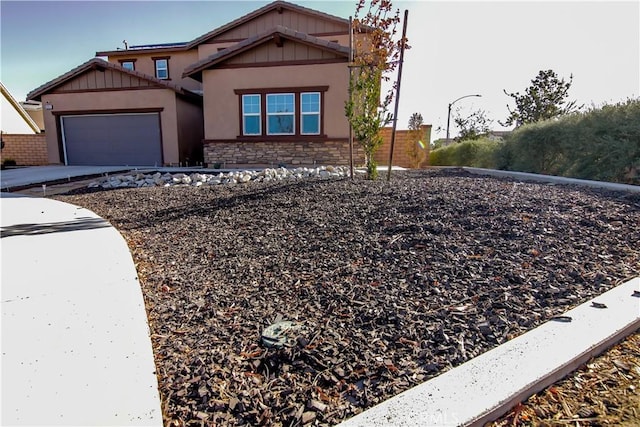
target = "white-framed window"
x: 162, y: 68
x: 281, y: 114
x: 310, y: 113
x: 287, y: 112
x: 251, y: 117
x: 128, y: 65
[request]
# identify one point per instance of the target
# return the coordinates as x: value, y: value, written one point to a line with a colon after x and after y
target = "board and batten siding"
x: 290, y: 51
x: 107, y: 79
x: 178, y: 61
x: 308, y: 24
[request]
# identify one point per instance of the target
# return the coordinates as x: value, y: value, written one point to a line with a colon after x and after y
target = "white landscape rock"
x: 198, y: 179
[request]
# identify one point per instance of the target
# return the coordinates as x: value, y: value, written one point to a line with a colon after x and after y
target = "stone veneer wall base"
x: 309, y: 153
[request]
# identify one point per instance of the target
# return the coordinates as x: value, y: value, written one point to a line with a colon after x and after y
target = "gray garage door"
x: 112, y: 139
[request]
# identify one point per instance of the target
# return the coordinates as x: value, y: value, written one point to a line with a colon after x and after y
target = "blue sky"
x: 458, y: 47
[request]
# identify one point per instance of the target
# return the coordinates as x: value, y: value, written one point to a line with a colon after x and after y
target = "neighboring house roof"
x: 276, y: 5
x: 277, y: 33
x: 18, y: 109
x: 97, y: 63
x: 34, y: 110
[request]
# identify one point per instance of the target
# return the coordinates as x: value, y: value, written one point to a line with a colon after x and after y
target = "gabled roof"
x: 195, y: 70
x: 276, y: 5
x: 97, y: 63
x: 19, y: 109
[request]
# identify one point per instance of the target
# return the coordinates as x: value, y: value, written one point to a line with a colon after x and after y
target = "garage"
x: 132, y: 139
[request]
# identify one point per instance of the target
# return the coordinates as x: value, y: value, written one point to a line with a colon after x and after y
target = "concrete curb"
x: 75, y: 339
x: 487, y: 386
x: 524, y: 176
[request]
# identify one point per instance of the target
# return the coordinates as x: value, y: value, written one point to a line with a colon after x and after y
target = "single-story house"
x: 15, y: 118
x: 266, y: 88
x: 21, y: 137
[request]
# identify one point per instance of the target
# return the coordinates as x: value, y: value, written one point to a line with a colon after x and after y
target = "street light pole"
x: 449, y: 112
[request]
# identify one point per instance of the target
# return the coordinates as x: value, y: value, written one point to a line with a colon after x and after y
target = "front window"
x: 162, y: 68
x: 280, y: 114
x: 310, y: 113
x: 251, y: 115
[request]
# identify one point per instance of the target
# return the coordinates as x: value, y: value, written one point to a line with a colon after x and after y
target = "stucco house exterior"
x: 267, y: 88
x: 102, y: 114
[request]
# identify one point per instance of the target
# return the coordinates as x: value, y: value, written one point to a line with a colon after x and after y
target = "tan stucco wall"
x: 207, y: 49
x: 36, y: 115
x: 221, y: 115
x: 115, y: 100
x: 178, y: 61
x: 341, y: 39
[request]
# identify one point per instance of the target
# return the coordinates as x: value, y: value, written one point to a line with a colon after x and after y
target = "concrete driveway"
x: 75, y: 340
x: 12, y: 179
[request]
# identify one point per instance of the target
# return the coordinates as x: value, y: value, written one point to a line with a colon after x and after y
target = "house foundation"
x: 229, y: 153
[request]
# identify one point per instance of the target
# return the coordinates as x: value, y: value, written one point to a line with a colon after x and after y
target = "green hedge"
x: 480, y: 153
x: 601, y: 144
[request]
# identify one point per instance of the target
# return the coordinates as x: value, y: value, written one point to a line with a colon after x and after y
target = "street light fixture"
x: 449, y: 113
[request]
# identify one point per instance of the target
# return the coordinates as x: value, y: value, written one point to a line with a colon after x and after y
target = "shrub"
x: 481, y: 153
x: 8, y: 162
x: 601, y: 144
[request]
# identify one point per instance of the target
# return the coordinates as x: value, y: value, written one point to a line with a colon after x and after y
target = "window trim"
x: 292, y: 113
x: 155, y: 67
x: 259, y: 114
x: 123, y: 61
x: 297, y: 91
x: 318, y: 113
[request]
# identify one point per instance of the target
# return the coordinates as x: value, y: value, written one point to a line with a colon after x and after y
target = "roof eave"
x: 21, y: 111
x: 133, y: 52
x: 265, y: 9
x: 98, y: 64
x: 196, y: 72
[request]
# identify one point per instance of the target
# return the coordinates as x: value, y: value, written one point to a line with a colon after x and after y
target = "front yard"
x: 390, y: 283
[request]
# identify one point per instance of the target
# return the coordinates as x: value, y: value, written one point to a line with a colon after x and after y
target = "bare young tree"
x: 376, y: 56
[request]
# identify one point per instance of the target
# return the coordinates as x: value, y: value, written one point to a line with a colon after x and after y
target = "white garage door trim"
x: 155, y: 140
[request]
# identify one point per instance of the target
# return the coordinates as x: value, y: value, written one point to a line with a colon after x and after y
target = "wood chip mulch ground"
x: 604, y: 392
x: 387, y: 284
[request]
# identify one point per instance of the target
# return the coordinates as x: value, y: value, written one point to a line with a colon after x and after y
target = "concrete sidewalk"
x: 75, y: 339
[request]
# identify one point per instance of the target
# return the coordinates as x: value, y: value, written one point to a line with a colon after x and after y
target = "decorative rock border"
x: 196, y: 179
